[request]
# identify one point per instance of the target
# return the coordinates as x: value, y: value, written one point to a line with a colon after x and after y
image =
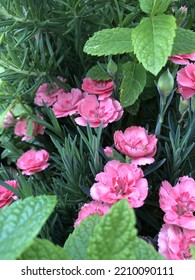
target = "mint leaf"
x: 77, y: 242
x: 152, y: 40
x: 98, y: 73
x: 42, y: 249
x: 110, y: 41
x: 145, y: 251
x: 156, y: 7
x: 133, y: 83
x: 21, y: 222
x: 184, y: 42
x: 114, y: 236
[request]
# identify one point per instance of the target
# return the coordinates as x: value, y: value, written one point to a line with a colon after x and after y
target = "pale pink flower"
x: 42, y: 95
x: 109, y: 151
x: 102, y: 88
x: 136, y: 143
x: 118, y: 181
x: 182, y: 59
x: 94, y: 112
x: 174, y: 242
x: 9, y: 120
x: 186, y: 81
x: 33, y: 161
x: 94, y: 207
x: 67, y: 103
x: 178, y: 202
x: 21, y: 128
x: 6, y: 196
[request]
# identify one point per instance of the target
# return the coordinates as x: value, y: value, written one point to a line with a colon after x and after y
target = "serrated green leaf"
x: 113, y: 237
x: 110, y: 41
x: 152, y: 40
x: 77, y: 242
x: 43, y: 249
x: 134, y: 80
x: 184, y: 42
x: 21, y: 222
x: 145, y: 251
x: 98, y: 73
x: 156, y: 7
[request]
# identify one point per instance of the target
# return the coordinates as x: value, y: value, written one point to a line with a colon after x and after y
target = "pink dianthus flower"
x: 6, y: 196
x: 186, y: 81
x: 182, y: 59
x: 42, y: 95
x: 102, y: 88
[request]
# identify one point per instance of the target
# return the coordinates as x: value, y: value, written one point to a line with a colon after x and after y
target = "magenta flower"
x: 174, y: 242
x: 33, y: 161
x: 9, y: 120
x: 95, y: 112
x: 136, y: 143
x: 6, y: 196
x: 182, y: 59
x: 118, y: 181
x: 67, y: 103
x: 102, y: 88
x: 186, y: 81
x: 94, y: 207
x: 42, y: 95
x: 178, y: 202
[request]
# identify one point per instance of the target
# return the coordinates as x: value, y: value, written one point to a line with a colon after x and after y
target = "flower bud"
x: 9, y: 120
x: 183, y: 105
x: 165, y: 83
x: 193, y: 103
x: 181, y: 15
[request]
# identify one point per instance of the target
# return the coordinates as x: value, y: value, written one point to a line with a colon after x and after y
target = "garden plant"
x: 97, y: 130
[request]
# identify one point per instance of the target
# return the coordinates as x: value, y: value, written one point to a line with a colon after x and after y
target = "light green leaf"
x: 152, y: 40
x: 77, y: 242
x: 192, y: 249
x: 145, y: 251
x: 110, y: 41
x: 30, y: 128
x: 21, y: 110
x: 43, y: 249
x: 133, y: 83
x: 98, y: 72
x: 113, y: 237
x: 156, y: 7
x: 21, y: 222
x: 184, y: 42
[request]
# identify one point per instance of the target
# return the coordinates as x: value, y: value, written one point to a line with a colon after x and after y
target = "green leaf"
x: 145, y: 251
x: 21, y: 110
x: 98, y: 72
x: 156, y: 7
x: 192, y: 249
x: 77, y: 242
x: 152, y: 40
x: 113, y: 237
x: 29, y: 130
x: 184, y: 42
x: 134, y: 80
x: 133, y: 109
x: 110, y: 41
x: 21, y: 222
x: 43, y: 249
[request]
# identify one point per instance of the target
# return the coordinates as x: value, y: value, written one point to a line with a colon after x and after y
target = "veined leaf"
x: 156, y: 7
x: 97, y: 73
x: 152, y: 40
x: 110, y: 41
x: 184, y: 42
x: 145, y: 251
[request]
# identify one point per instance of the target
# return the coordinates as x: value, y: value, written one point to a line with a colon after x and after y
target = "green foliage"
x: 145, y: 251
x: 152, y: 41
x: 184, y: 41
x: 192, y: 249
x: 21, y: 222
x: 152, y: 7
x: 98, y: 72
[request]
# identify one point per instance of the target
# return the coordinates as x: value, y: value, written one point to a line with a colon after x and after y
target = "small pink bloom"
x: 186, y: 81
x: 178, y: 202
x: 102, y: 88
x: 95, y: 112
x: 6, y: 196
x: 174, y: 242
x: 31, y: 161
x: 118, y: 181
x: 182, y: 59
x: 109, y: 151
x: 9, y: 120
x: 136, y: 143
x: 21, y: 128
x: 42, y: 95
x: 94, y: 207
x: 67, y: 103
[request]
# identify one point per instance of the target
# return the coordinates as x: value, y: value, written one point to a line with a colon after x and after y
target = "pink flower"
x: 6, y: 196
x: 42, y: 94
x: 95, y: 112
x: 178, y: 202
x: 182, y: 59
x: 136, y: 143
x: 109, y: 152
x: 186, y: 81
x: 67, y: 103
x: 9, y: 120
x: 102, y: 88
x: 21, y: 128
x: 174, y: 242
x: 31, y: 161
x: 94, y: 207
x: 118, y: 181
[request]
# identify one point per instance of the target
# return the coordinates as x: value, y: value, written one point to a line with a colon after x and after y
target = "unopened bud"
x: 9, y: 120
x: 109, y: 152
x: 193, y: 103
x: 181, y: 15
x: 183, y: 105
x: 165, y: 83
